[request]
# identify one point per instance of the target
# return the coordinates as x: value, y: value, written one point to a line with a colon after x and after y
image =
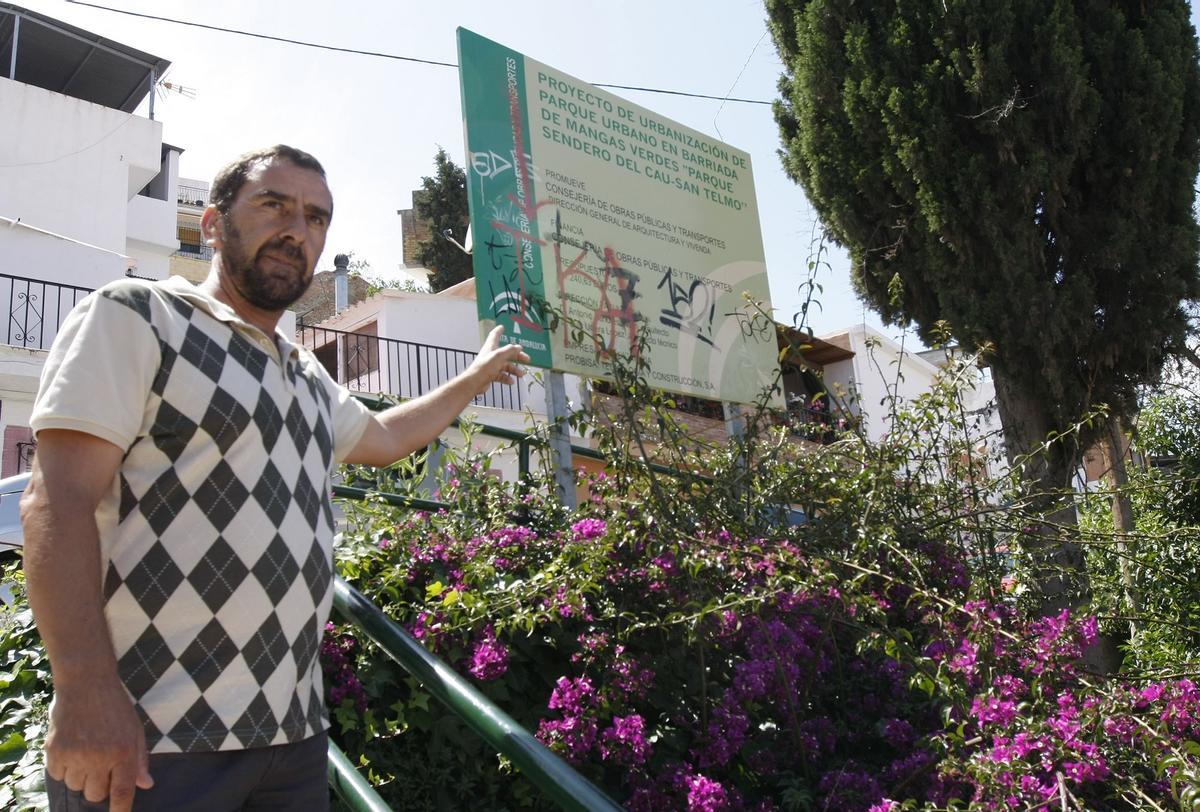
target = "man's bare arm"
x: 403, y: 429
x: 95, y: 743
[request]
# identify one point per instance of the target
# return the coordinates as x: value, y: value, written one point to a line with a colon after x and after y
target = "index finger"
x: 493, y: 339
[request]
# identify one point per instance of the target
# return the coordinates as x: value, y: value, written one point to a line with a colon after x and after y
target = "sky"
x: 375, y: 123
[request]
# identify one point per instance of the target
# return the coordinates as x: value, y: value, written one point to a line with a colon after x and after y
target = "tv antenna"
x: 165, y: 87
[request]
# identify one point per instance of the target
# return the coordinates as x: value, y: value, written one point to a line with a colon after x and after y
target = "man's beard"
x: 264, y: 291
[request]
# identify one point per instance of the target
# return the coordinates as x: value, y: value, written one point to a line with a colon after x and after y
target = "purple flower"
x: 489, y: 660
x: 1010, y: 687
x: 964, y: 658
x: 898, y: 733
x: 588, y: 529
x: 992, y: 710
x: 624, y: 742
x: 1089, y: 628
x: 705, y: 795
x: 1080, y: 771
x: 572, y: 696
x: 572, y: 736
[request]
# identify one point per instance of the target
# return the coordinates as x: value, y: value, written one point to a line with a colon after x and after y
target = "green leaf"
x: 12, y: 748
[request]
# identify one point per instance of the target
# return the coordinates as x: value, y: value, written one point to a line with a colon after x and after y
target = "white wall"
x: 71, y: 167
x: 443, y: 321
x: 69, y: 188
x: 151, y: 233
x: 880, y: 367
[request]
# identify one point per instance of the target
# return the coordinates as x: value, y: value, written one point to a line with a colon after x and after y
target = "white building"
x: 877, y: 369
x: 87, y: 191
x: 406, y: 342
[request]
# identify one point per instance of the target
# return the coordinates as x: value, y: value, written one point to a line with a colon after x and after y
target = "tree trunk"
x: 1122, y: 513
x: 1049, y: 540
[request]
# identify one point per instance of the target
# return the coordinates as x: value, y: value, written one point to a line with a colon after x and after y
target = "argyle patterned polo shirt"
x: 216, y: 535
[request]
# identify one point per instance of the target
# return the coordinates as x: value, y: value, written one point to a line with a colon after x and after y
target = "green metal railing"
x: 350, y: 785
x: 546, y: 771
x: 554, y: 777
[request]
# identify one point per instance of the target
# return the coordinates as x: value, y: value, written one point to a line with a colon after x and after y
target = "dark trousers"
x: 289, y: 777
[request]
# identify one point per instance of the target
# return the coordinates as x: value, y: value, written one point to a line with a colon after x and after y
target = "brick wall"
x: 413, y: 230
x: 316, y: 304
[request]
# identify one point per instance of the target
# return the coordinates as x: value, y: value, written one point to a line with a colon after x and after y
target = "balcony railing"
x: 361, y: 363
x: 200, y: 252
x: 36, y: 310
x: 815, y: 423
x: 368, y: 363
x: 192, y: 195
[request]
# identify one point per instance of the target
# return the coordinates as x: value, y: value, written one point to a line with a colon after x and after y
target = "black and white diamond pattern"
x: 298, y: 427
x: 135, y: 297
x: 268, y: 420
x: 316, y: 710
x: 276, y: 570
x: 200, y: 730
x: 164, y: 500
x: 307, y: 499
x: 203, y: 352
x: 143, y: 664
x: 218, y: 575
x: 317, y: 573
x: 324, y: 442
x: 153, y: 734
x: 293, y: 723
x: 304, y: 648
x: 222, y: 496
x: 223, y: 534
x: 257, y: 726
x: 167, y: 356
x: 205, y: 659
x: 153, y: 580
x: 266, y: 649
x: 182, y: 307
x: 249, y: 356
x: 273, y: 494
x: 226, y: 420
x: 172, y: 431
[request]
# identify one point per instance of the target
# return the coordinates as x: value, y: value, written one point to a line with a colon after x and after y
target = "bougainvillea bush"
x: 763, y: 629
x: 684, y: 645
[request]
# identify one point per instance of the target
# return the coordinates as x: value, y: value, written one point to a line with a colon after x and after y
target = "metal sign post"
x: 557, y: 412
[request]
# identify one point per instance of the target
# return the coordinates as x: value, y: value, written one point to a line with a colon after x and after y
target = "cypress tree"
x: 442, y: 203
x: 1022, y: 170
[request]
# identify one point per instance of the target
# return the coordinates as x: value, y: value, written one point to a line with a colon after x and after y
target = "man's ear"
x: 212, y: 227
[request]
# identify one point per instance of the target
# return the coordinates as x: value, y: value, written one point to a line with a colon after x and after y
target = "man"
x: 178, y: 522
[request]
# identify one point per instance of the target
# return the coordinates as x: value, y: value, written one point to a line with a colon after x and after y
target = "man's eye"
x: 316, y: 220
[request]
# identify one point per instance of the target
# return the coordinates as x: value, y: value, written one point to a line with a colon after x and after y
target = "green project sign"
x: 640, y: 231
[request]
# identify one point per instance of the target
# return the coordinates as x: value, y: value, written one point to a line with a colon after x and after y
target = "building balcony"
x: 36, y: 310
x: 404, y: 369
x: 196, y: 196
x: 151, y: 223
x: 203, y: 253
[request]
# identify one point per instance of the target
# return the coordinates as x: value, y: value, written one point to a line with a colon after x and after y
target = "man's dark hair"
x: 230, y: 180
